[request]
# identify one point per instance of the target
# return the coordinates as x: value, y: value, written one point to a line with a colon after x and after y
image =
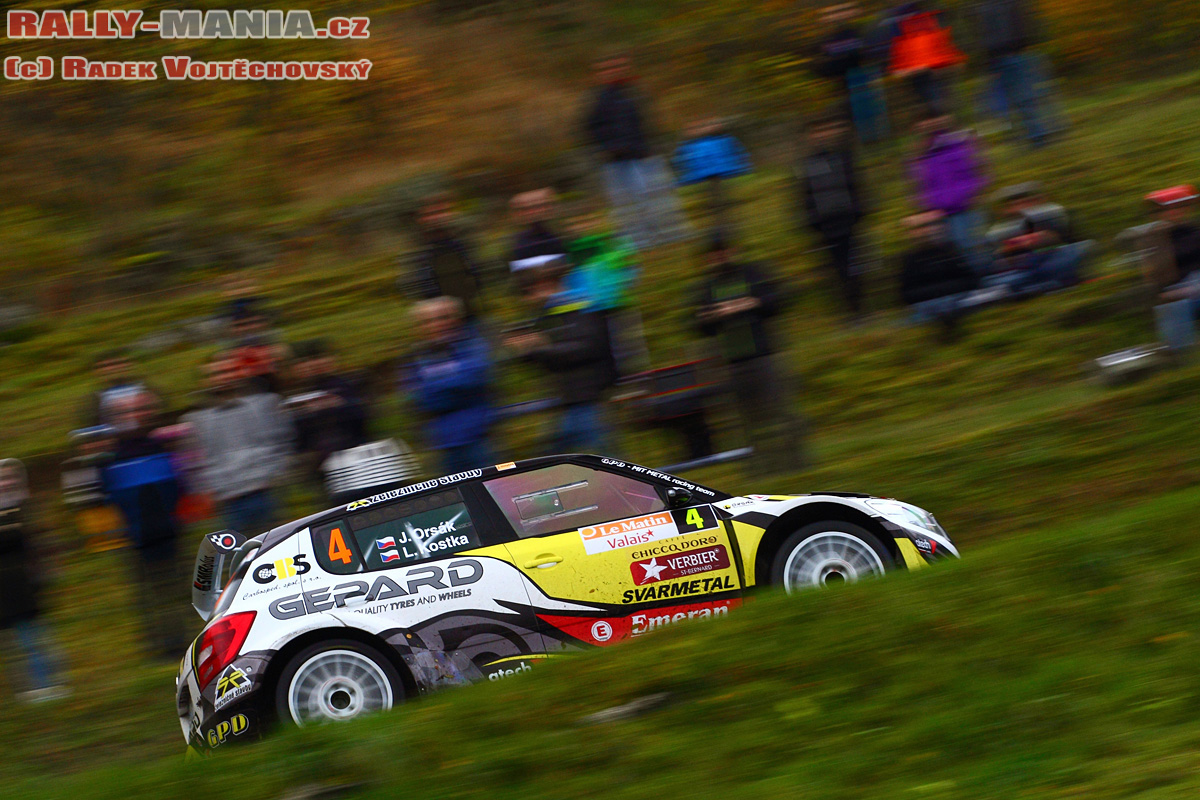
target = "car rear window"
x: 396, y: 534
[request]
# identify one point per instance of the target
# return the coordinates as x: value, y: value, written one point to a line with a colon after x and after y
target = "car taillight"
x: 220, y: 644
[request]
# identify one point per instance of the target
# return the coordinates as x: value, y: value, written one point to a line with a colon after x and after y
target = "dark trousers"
x: 766, y: 407
x: 841, y: 261
x: 162, y: 603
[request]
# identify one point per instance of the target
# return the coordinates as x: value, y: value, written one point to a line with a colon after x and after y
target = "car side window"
x: 396, y: 534
x: 564, y: 497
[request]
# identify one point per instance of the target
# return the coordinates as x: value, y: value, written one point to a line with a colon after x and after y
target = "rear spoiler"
x: 217, y: 550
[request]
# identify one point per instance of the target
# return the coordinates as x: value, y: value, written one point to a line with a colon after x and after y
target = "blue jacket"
x: 716, y: 156
x: 452, y: 384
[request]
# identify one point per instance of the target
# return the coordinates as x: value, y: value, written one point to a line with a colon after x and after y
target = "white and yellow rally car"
x: 478, y: 575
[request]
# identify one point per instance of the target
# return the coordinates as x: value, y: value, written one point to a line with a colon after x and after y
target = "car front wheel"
x: 828, y: 553
x: 334, y: 681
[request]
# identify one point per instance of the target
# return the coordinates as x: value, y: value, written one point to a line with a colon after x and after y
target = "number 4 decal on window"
x: 697, y: 518
x: 337, y: 547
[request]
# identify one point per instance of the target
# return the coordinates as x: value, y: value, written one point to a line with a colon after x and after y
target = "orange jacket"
x: 923, y: 44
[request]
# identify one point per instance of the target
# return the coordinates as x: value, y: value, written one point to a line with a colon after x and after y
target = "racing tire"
x: 336, y: 680
x: 823, y: 553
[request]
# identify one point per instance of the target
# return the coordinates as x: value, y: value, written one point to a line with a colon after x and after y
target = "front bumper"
x: 919, y: 546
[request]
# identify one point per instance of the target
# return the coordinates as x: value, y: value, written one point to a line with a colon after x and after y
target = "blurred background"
x: 947, y: 252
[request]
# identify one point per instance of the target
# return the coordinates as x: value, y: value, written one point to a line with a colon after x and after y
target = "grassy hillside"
x: 1058, y: 663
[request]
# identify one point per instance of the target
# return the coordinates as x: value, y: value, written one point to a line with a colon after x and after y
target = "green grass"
x: 1056, y: 660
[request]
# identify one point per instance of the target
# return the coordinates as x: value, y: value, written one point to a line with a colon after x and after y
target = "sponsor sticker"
x: 628, y: 533
x: 682, y: 565
x: 609, y: 631
x: 233, y: 682
x: 601, y: 631
x: 281, y: 569
x: 235, y: 725
x: 501, y: 674
x: 506, y: 466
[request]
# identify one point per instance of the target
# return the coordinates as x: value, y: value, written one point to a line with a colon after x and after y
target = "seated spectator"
x: 710, y: 155
x: 328, y: 410
x: 537, y: 244
x: 935, y: 279
x: 450, y: 378
x: 1036, y: 250
x: 570, y: 342
x: 949, y: 178
x: 1173, y: 264
x: 735, y: 306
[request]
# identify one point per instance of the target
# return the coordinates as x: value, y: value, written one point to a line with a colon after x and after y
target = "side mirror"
x: 678, y: 497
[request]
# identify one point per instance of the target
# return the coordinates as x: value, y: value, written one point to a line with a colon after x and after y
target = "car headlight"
x: 905, y: 514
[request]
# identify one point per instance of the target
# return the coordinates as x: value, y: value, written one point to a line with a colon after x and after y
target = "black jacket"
x: 1004, y: 27
x: 331, y: 430
x: 932, y: 271
x: 616, y: 124
x: 444, y: 267
x: 578, y: 355
x: 19, y: 576
x: 745, y: 335
x: 840, y: 53
x: 1185, y: 246
x: 830, y: 193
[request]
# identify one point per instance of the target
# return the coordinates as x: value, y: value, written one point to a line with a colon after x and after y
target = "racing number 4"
x: 337, y: 547
x: 694, y: 518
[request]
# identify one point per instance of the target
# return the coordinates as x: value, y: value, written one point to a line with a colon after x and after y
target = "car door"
x: 425, y: 575
x: 608, y: 542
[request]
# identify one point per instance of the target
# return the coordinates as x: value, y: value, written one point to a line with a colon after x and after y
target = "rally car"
x: 477, y: 576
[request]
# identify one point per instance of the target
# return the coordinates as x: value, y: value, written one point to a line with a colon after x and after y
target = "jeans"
x: 868, y: 107
x: 1044, y: 271
x: 939, y: 308
x: 1015, y: 87
x: 34, y: 641
x: 249, y: 514
x: 965, y: 229
x: 1176, y: 324
x: 642, y: 194
x: 581, y: 429
x: 467, y: 456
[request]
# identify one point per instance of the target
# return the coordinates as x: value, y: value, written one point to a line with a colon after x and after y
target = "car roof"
x: 277, y: 535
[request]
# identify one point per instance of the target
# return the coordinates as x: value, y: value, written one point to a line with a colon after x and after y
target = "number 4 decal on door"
x: 337, y: 547
x: 697, y: 518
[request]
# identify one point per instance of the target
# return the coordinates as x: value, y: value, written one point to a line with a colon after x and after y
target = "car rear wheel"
x: 828, y: 553
x: 334, y: 681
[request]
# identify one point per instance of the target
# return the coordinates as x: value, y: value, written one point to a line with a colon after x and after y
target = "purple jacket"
x: 948, y: 174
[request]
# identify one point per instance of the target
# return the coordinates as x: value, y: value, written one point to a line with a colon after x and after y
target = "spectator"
x: 570, y: 342
x: 329, y: 411
x: 451, y: 379
x: 922, y: 52
x: 21, y: 582
x: 1173, y: 264
x: 735, y: 306
x: 935, y: 280
x: 711, y: 156
x: 1036, y: 249
x: 1007, y: 33
x: 601, y: 270
x: 256, y: 345
x: 142, y: 482
x: 537, y: 244
x: 949, y: 178
x: 847, y: 57
x: 117, y: 379
x: 444, y: 265
x: 833, y: 204
x: 244, y: 440
x: 638, y: 184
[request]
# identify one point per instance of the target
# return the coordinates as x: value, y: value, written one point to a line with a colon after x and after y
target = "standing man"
x: 451, y: 380
x: 142, y: 481
x: 244, y: 440
x: 1007, y: 33
x: 638, y: 184
x: 735, y: 306
x: 570, y: 342
x: 444, y: 266
x: 832, y: 204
